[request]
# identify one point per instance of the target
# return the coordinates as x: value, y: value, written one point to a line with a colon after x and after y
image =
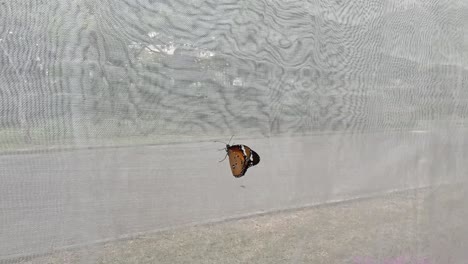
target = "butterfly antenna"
x: 224, y: 148
x: 223, y: 141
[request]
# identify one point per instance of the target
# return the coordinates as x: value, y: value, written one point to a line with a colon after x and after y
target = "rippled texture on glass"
x: 109, y: 111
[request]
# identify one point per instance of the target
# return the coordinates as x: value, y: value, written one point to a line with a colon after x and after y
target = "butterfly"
x: 241, y: 157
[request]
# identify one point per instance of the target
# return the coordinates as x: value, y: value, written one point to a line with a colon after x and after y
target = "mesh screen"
x: 109, y: 111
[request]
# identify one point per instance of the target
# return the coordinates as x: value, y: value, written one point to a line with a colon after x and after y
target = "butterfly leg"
x: 224, y: 158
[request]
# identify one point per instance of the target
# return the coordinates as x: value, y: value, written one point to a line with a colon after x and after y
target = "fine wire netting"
x: 109, y: 111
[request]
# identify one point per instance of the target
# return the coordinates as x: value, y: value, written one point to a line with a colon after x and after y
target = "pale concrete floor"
x: 60, y: 199
x: 424, y: 226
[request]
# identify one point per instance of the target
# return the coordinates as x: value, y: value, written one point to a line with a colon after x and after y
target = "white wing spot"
x: 243, y: 151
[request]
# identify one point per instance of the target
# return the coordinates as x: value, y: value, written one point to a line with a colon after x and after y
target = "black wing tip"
x: 255, y: 158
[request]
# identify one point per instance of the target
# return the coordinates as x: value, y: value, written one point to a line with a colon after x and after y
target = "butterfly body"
x: 241, y: 157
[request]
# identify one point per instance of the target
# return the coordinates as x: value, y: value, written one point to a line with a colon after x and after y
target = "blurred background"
x: 109, y: 110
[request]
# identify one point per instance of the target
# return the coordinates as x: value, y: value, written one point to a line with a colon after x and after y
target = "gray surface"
x: 52, y: 200
x: 83, y: 72
x: 320, y: 89
x: 416, y: 227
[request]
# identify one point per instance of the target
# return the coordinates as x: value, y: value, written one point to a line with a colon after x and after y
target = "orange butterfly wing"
x: 237, y: 161
x: 241, y: 158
